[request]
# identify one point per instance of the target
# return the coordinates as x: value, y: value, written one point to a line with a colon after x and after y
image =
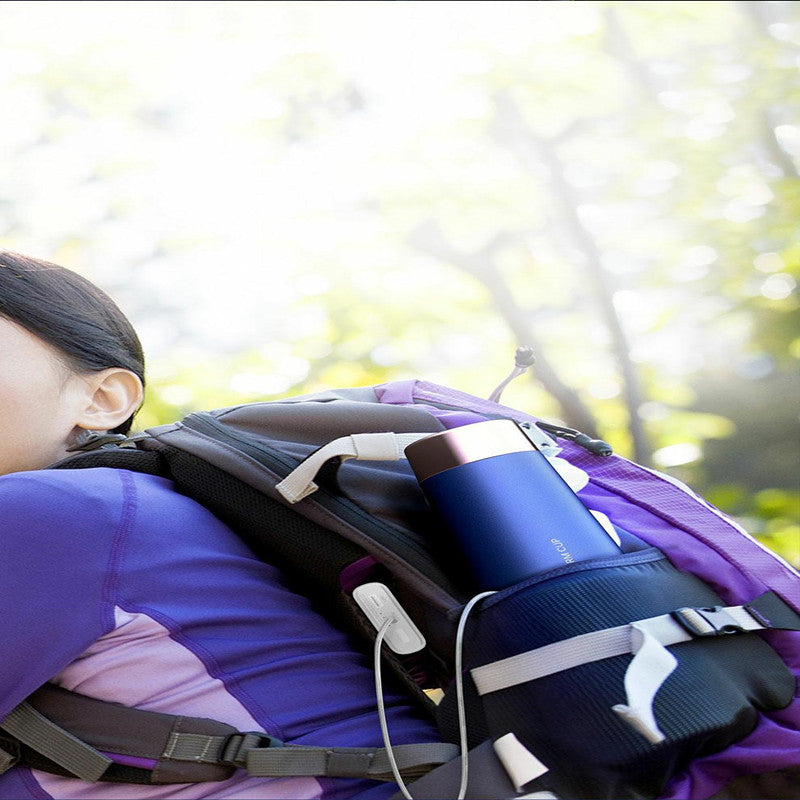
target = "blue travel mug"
x: 511, y: 513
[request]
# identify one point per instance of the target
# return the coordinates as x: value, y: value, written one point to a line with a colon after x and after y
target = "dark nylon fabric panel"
x: 385, y: 490
x: 708, y: 702
x: 487, y: 778
x: 317, y: 423
x: 261, y: 463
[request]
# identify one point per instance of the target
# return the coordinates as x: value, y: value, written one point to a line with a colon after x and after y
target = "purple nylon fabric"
x: 131, y: 761
x: 697, y: 539
x: 403, y: 393
x: 356, y: 573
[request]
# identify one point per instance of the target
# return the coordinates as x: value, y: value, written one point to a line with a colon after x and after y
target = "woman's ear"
x: 112, y: 396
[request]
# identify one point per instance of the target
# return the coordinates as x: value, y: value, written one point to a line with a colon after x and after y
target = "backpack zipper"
x: 343, y: 507
x: 595, y: 446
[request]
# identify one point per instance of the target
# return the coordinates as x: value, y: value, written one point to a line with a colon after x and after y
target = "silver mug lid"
x: 465, y: 444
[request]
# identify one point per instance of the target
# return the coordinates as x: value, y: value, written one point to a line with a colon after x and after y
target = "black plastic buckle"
x: 233, y: 751
x: 721, y: 622
x: 95, y: 440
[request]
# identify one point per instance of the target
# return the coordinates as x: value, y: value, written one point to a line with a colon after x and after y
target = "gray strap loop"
x: 237, y: 745
x: 7, y: 760
x: 193, y: 747
x: 52, y: 741
x: 348, y: 765
x: 281, y: 760
x: 413, y: 760
x: 230, y: 750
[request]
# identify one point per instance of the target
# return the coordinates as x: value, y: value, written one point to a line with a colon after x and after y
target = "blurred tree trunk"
x: 534, y: 150
x: 428, y: 238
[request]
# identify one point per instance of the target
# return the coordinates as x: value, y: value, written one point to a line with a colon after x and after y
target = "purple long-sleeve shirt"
x: 117, y: 587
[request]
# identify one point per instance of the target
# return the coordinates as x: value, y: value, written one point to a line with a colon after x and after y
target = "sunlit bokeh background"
x: 289, y: 196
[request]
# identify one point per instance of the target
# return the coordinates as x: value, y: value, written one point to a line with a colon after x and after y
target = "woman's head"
x: 69, y: 360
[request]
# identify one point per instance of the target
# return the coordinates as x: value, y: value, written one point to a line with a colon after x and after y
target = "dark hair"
x: 71, y: 314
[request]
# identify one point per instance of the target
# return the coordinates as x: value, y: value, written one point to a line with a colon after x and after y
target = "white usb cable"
x: 462, y: 715
x: 382, y: 709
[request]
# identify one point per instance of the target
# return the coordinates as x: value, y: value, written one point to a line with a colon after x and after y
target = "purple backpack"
x: 669, y: 670
x: 700, y: 540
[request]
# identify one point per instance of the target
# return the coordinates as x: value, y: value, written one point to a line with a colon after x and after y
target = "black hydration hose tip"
x: 523, y: 358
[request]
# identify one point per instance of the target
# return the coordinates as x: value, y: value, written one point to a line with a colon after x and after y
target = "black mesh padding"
x: 277, y: 534
x: 148, y: 461
x: 310, y: 556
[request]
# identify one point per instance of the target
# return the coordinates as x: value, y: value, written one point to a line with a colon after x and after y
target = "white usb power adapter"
x: 380, y: 605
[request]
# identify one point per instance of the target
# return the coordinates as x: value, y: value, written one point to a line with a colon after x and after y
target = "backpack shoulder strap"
x: 147, y: 461
x: 51, y: 741
x: 70, y: 734
x: 59, y: 731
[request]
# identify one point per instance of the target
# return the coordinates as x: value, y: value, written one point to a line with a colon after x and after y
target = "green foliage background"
x: 292, y: 196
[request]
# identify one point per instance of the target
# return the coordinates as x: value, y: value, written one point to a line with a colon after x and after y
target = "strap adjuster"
x: 705, y: 622
x: 233, y: 750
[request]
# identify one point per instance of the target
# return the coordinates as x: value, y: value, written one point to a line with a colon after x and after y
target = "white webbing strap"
x: 551, y: 658
x: 363, y: 446
x: 652, y: 663
x: 521, y: 765
x: 299, y: 483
